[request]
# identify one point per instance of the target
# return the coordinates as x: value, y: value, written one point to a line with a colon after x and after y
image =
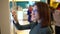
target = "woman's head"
x: 43, y: 13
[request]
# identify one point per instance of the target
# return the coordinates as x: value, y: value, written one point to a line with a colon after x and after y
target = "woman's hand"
x: 14, y: 16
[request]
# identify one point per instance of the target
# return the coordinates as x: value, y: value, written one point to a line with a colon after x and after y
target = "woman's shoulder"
x: 45, y: 30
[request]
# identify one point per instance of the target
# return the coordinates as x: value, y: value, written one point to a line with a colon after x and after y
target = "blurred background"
x: 21, y: 8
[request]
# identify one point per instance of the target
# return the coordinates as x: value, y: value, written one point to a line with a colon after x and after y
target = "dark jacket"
x: 35, y: 28
x: 29, y: 15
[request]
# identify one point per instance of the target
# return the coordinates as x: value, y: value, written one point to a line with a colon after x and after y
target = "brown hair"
x: 44, y: 13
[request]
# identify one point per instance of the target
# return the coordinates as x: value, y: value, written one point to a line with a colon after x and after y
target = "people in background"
x: 56, y: 15
x: 42, y: 26
x: 52, y: 20
x: 29, y: 13
x: 51, y: 11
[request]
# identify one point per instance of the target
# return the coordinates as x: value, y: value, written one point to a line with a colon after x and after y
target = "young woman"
x: 43, y: 20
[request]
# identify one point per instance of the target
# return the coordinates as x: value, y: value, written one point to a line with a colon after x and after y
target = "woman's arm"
x: 23, y: 27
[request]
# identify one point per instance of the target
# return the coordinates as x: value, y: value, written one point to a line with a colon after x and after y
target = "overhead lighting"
x: 58, y: 1
x: 26, y: 0
x: 31, y: 2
